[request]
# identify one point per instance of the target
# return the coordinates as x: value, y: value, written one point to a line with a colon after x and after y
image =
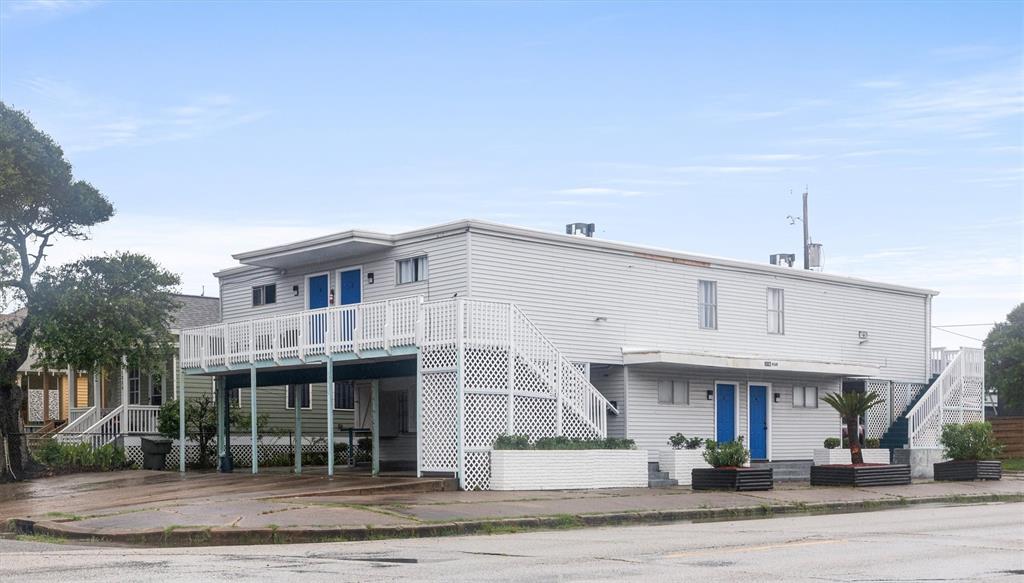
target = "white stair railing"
x: 86, y: 419
x: 956, y: 396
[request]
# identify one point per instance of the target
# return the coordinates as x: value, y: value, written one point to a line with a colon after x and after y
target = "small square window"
x: 344, y: 395
x: 411, y: 270
x: 673, y: 392
x: 264, y: 294
x: 805, y: 397
x: 307, y: 396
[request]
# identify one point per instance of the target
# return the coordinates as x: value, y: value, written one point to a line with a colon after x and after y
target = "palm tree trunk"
x: 853, y: 436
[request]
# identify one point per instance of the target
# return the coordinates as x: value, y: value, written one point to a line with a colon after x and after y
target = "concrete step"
x: 662, y: 483
x: 657, y: 475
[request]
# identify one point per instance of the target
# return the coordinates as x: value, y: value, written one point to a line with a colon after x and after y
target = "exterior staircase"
x: 657, y: 478
x: 896, y: 437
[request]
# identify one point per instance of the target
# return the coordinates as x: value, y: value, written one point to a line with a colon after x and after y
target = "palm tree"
x: 851, y: 407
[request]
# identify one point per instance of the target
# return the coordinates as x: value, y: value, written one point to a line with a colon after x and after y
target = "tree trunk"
x: 11, y: 397
x: 853, y: 437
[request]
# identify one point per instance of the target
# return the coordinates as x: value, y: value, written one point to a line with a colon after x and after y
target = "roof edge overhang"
x: 748, y: 363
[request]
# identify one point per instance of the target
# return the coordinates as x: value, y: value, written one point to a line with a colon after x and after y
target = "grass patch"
x: 1014, y: 464
x: 64, y: 516
x: 42, y: 538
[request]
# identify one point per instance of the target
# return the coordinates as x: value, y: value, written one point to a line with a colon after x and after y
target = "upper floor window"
x: 344, y: 395
x: 707, y: 304
x: 304, y: 390
x: 673, y: 393
x: 264, y: 294
x: 805, y: 397
x: 412, y: 269
x: 776, y: 311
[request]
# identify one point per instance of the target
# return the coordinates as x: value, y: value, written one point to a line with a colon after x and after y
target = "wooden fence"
x: 1009, y: 431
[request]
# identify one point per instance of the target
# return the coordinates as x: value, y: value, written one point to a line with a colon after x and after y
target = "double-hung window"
x: 156, y: 388
x: 344, y: 395
x: 806, y: 397
x: 264, y: 294
x: 305, y: 391
x: 134, y: 387
x: 776, y: 311
x: 707, y: 304
x: 412, y: 270
x: 673, y: 392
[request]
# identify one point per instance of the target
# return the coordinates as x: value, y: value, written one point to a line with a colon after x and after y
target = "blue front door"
x: 725, y: 412
x: 318, y: 291
x: 759, y: 422
x: 351, y: 286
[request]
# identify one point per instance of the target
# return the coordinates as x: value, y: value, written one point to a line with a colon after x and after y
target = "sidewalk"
x: 163, y: 508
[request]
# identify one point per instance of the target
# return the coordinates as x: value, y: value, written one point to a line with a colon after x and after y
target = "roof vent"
x: 787, y: 259
x: 580, y: 229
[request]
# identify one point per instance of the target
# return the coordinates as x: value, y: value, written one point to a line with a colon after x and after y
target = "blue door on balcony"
x: 725, y: 412
x: 318, y: 298
x: 351, y: 285
x: 759, y: 422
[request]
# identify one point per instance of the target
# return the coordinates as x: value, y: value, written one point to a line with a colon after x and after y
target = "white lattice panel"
x: 438, y: 451
x: 877, y: 419
x: 535, y: 416
x: 486, y: 369
x: 35, y: 405
x: 54, y: 403
x: 486, y: 418
x: 478, y: 470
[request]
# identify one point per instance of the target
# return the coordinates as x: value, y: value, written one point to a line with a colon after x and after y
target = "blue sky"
x: 222, y: 127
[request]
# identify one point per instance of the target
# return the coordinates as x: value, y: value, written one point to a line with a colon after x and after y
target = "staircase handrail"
x: 89, y: 417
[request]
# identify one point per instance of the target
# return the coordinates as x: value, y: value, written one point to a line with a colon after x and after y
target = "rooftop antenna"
x: 203, y: 292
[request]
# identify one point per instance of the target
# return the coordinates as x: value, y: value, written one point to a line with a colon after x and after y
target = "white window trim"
x: 781, y: 311
x: 803, y: 389
x: 398, y: 269
x: 701, y: 305
x: 263, y: 287
x: 309, y: 386
x: 672, y: 389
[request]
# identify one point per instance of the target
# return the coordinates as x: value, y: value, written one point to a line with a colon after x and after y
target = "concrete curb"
x: 225, y: 536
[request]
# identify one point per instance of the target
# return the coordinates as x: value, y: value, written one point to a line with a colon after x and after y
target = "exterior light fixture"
x: 369, y: 277
x: 295, y: 290
x: 711, y: 395
x: 776, y: 397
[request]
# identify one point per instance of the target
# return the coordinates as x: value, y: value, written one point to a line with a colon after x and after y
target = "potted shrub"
x: 686, y: 454
x: 727, y: 471
x: 972, y: 449
x: 855, y: 472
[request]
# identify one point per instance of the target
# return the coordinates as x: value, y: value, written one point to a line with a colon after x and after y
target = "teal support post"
x: 252, y: 407
x: 330, y: 417
x: 375, y: 423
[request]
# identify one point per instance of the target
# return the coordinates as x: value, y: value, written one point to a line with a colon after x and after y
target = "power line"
x: 963, y: 325
x: 959, y: 334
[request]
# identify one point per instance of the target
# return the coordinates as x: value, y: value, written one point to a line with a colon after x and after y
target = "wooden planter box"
x: 568, y: 469
x: 679, y: 463
x: 841, y: 456
x: 969, y: 470
x: 861, y: 475
x: 739, y: 479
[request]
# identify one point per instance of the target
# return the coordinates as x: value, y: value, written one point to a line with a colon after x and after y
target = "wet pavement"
x: 136, y: 501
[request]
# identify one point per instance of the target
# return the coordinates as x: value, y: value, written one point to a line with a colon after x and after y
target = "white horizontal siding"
x: 793, y: 432
x: 447, y: 264
x: 609, y: 381
x: 650, y: 303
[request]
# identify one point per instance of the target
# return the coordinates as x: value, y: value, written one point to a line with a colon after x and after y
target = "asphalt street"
x: 919, y: 543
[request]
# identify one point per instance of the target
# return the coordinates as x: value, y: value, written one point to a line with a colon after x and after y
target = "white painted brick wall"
x: 568, y: 469
x: 824, y: 457
x: 679, y: 462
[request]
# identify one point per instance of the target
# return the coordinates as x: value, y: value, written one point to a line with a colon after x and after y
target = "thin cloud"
x: 46, y: 8
x: 600, y: 191
x: 880, y: 84
x: 775, y: 157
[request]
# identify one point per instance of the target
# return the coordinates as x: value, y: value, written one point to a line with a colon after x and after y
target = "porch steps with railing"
x: 90, y: 427
x: 896, y: 436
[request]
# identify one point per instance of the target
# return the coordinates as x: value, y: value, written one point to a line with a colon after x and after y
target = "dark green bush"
x: 872, y: 443
x: 726, y: 455
x: 970, y: 441
x: 81, y: 457
x: 680, y: 441
x: 832, y: 442
x: 522, y: 442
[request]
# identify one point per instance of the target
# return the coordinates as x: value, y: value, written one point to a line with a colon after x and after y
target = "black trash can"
x: 154, y: 452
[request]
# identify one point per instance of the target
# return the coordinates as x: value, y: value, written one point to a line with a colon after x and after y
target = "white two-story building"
x: 442, y: 338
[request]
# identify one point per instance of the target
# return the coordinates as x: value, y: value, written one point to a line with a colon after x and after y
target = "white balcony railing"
x: 302, y: 335
x: 956, y: 396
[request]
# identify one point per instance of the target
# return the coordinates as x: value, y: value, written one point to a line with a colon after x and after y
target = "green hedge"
x: 970, y: 441
x: 523, y: 442
x: 81, y: 457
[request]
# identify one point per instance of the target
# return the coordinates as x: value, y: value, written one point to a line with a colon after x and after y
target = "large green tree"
x: 40, y: 201
x: 1004, y: 360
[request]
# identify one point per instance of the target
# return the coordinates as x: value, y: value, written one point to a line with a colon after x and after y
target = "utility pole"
x: 807, y: 236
